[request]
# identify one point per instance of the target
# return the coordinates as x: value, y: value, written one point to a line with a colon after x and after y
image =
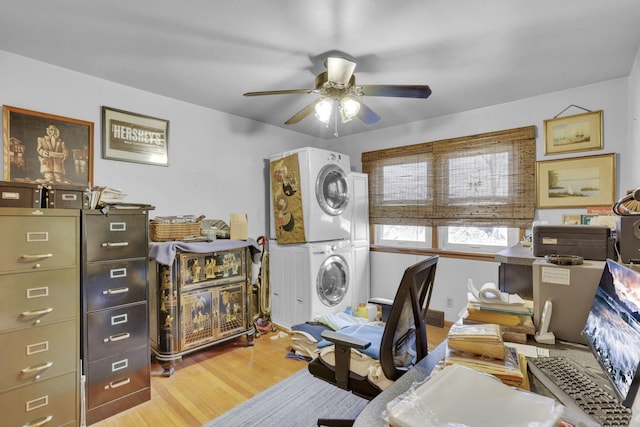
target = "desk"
x: 371, y: 414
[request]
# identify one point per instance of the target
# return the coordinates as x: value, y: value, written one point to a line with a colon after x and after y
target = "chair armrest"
x: 345, y: 340
x: 381, y: 301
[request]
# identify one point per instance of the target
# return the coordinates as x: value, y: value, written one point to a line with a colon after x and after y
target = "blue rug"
x: 297, y: 401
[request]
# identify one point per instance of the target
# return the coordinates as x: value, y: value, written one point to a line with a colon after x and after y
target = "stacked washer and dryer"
x: 323, y: 270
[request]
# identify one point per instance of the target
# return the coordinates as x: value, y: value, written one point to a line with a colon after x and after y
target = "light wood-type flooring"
x: 209, y: 382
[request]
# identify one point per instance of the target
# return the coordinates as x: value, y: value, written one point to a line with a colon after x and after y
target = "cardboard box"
x: 571, y: 289
x: 592, y: 242
x: 239, y: 226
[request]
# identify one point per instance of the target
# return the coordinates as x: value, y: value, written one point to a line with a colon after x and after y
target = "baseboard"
x: 435, y: 318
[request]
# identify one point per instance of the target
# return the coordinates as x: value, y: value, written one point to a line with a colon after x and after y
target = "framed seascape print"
x: 132, y: 137
x: 569, y: 134
x: 41, y: 148
x: 576, y: 182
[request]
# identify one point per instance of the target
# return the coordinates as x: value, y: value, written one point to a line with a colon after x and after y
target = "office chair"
x: 403, y: 340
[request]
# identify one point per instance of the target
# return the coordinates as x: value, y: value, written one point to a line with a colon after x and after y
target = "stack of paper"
x: 481, y: 339
x: 508, y: 370
x: 512, y: 313
x: 102, y: 196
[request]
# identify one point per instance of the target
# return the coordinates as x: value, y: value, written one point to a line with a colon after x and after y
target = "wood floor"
x: 212, y: 381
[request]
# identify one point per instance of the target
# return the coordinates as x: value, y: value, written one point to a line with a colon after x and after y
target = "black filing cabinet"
x: 115, y: 326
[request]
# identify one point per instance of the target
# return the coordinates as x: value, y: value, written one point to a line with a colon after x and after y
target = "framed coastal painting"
x: 569, y: 134
x: 41, y: 148
x: 132, y: 137
x: 576, y: 182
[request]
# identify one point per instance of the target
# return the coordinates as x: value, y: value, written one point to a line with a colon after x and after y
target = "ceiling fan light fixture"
x: 324, y: 109
x: 349, y: 107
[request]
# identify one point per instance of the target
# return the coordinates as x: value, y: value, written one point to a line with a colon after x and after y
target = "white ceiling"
x: 472, y: 53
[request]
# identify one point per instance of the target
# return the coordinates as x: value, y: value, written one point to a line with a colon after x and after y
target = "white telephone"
x: 544, y: 336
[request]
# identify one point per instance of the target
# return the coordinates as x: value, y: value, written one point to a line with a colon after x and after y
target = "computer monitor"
x: 612, y: 330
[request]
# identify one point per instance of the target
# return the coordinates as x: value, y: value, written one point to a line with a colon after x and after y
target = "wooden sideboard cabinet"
x: 39, y: 317
x: 115, y: 328
x: 201, y: 299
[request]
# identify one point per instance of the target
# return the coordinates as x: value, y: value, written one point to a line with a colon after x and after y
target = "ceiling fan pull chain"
x: 335, y: 120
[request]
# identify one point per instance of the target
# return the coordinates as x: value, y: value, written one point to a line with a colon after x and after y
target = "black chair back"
x: 404, y: 341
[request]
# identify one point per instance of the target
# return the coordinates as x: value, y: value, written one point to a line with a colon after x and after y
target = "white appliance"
x: 325, y: 193
x: 360, y: 267
x: 308, y: 279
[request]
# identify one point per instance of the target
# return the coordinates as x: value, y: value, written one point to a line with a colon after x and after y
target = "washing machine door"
x: 332, y: 190
x: 333, y: 280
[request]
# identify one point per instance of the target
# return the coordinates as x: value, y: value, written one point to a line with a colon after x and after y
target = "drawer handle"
x: 114, y: 244
x: 37, y: 312
x: 38, y: 256
x: 115, y: 291
x: 39, y: 422
x: 119, y: 337
x: 38, y: 368
x: 119, y: 383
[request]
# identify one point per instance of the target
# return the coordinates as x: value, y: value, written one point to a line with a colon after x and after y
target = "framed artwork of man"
x: 46, y: 149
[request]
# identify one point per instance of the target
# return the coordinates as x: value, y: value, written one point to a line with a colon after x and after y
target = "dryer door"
x: 333, y: 280
x: 332, y: 190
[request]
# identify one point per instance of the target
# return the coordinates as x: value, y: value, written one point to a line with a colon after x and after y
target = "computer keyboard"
x: 578, y: 391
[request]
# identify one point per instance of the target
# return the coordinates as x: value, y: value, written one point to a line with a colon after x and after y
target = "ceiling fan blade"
x: 303, y: 113
x: 367, y: 115
x: 339, y: 70
x: 402, y: 91
x: 279, y: 92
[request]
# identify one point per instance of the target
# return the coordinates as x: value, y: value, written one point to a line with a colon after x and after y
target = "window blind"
x: 480, y: 180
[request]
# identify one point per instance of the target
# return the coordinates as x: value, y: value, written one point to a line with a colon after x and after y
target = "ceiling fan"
x: 337, y: 87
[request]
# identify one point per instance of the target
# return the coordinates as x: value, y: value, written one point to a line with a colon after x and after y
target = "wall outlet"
x: 449, y: 302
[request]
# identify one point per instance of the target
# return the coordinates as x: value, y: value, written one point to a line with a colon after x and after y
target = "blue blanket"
x: 165, y: 252
x: 371, y: 333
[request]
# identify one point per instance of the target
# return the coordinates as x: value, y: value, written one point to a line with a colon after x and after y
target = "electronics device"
x: 570, y: 288
x: 587, y: 241
x: 612, y: 330
x: 628, y: 234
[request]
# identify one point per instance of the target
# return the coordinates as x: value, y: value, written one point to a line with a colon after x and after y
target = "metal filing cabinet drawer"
x: 115, y: 283
x: 118, y: 376
x: 37, y: 354
x: 115, y: 236
x: 34, y: 242
x: 38, y: 298
x: 55, y: 399
x: 116, y: 330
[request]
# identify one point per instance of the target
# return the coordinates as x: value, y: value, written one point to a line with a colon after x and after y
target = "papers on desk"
x: 486, y: 402
x: 488, y: 297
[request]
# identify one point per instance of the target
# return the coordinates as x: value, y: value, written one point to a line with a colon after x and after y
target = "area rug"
x: 297, y: 401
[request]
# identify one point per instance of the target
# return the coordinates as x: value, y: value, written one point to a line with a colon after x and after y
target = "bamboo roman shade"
x: 480, y: 180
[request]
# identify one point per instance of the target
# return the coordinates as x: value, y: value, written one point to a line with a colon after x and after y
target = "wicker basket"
x: 164, y: 232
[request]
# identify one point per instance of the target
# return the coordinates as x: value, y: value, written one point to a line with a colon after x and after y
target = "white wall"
x: 215, y: 159
x: 631, y: 162
x: 611, y: 96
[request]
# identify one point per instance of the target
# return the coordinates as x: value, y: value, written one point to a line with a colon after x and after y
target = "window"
x: 474, y: 193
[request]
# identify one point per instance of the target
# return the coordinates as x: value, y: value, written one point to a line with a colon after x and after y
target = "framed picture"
x: 133, y: 137
x: 569, y: 134
x: 45, y: 149
x: 576, y: 182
